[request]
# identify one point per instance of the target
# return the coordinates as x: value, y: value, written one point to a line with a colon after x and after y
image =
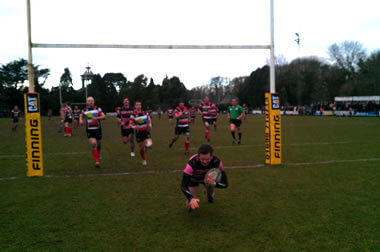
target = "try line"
x: 150, y: 172
x: 192, y: 148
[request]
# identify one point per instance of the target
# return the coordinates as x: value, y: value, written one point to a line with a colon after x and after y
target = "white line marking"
x: 181, y: 170
x: 48, y: 154
x: 262, y: 145
x: 192, y: 148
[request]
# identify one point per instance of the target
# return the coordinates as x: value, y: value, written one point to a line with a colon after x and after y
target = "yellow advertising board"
x: 273, y: 153
x: 33, y: 138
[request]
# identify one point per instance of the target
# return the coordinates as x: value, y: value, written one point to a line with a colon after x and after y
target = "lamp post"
x: 86, y: 78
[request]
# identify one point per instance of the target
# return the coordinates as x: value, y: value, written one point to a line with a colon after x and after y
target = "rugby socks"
x: 95, y: 154
x: 207, y: 135
x: 71, y: 131
x: 142, y: 153
x: 239, y: 136
x: 187, y: 147
x: 233, y: 134
x: 66, y: 130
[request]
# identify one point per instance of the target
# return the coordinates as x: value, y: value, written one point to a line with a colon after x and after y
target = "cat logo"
x: 275, y: 101
x: 32, y: 103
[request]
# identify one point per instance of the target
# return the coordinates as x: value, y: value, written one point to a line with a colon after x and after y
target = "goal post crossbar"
x: 120, y: 46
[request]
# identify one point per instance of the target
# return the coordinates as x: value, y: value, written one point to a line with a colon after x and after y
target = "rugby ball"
x: 216, y: 174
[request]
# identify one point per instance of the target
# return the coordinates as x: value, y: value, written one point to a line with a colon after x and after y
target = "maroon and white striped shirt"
x: 182, y: 121
x: 205, y: 108
x: 89, y: 113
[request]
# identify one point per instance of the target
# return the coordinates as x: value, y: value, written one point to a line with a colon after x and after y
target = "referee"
x: 235, y: 113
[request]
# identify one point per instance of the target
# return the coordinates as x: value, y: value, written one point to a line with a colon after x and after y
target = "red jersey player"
x: 15, y: 114
x: 123, y: 119
x: 141, y: 122
x: 213, y: 114
x: 193, y: 113
x: 159, y: 112
x: 245, y: 111
x: 206, y: 117
x: 182, y: 116
x: 67, y: 119
x: 93, y: 114
x: 76, y: 113
x: 170, y: 115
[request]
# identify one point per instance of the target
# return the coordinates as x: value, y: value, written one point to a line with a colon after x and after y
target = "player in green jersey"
x: 235, y: 113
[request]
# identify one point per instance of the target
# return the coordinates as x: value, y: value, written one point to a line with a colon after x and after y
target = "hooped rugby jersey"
x: 205, y: 108
x: 15, y: 113
x: 76, y: 113
x: 193, y: 112
x: 182, y: 121
x: 170, y: 112
x: 68, y: 112
x: 140, y: 119
x: 213, y: 113
x: 124, y: 114
x: 89, y: 113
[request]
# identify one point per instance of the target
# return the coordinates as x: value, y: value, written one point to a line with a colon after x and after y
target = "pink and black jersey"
x: 205, y: 108
x: 124, y: 114
x: 182, y: 121
x: 140, y: 119
x: 197, y: 171
x: 88, y: 114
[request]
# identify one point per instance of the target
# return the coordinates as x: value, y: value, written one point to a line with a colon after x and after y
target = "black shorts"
x: 97, y: 134
x: 170, y: 117
x: 209, y: 121
x: 126, y: 132
x: 76, y: 118
x: 192, y: 117
x: 236, y: 122
x: 142, y: 135
x: 182, y: 131
x: 15, y: 119
x: 195, y: 183
x: 68, y: 120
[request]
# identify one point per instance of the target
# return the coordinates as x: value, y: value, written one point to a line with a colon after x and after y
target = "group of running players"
x: 135, y: 121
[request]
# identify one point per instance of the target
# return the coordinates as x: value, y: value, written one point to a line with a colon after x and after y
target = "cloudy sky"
x: 319, y: 23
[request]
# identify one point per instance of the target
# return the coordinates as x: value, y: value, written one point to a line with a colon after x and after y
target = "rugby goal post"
x: 32, y: 105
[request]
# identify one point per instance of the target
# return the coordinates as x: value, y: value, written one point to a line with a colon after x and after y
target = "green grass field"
x: 325, y: 196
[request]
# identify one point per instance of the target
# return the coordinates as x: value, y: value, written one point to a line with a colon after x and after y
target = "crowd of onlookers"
x: 314, y: 109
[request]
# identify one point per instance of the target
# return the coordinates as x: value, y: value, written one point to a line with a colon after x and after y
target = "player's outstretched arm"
x: 186, y: 179
x: 191, y: 202
x: 223, y: 183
